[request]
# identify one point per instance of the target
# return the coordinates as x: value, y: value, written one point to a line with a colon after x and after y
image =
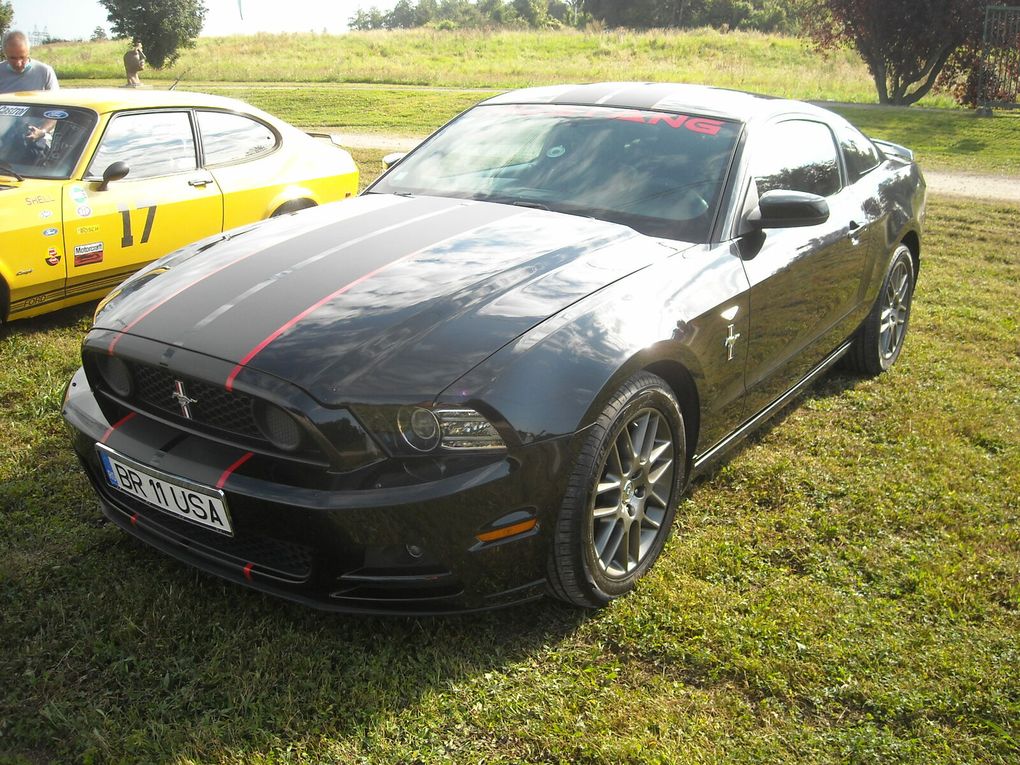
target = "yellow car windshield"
x: 42, y: 141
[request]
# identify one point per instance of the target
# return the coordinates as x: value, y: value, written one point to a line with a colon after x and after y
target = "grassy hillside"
x: 773, y: 64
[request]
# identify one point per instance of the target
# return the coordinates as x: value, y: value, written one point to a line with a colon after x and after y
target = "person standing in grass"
x: 19, y: 72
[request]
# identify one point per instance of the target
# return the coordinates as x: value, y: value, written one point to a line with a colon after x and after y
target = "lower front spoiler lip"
x: 183, y: 549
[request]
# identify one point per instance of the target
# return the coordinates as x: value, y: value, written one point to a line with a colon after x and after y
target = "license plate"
x: 178, y: 497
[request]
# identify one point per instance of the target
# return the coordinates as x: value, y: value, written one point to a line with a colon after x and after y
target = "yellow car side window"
x: 231, y: 137
x: 152, y: 144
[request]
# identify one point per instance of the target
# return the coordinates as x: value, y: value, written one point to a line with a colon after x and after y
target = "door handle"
x: 856, y: 232
x: 200, y: 182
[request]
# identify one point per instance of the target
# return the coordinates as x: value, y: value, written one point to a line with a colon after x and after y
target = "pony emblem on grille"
x: 184, y: 401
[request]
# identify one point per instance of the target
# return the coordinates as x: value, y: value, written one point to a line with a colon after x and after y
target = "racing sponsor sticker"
x: 56, y: 114
x: 44, y: 214
x: 79, y: 195
x: 88, y: 254
x: 89, y: 229
x: 41, y: 199
x: 53, y: 257
x: 84, y: 211
x: 9, y: 110
x: 50, y: 232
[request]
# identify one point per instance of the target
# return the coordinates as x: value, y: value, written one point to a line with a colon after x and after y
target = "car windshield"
x: 64, y: 133
x: 659, y: 173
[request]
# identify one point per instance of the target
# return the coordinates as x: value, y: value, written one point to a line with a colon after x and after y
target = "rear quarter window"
x: 859, y: 153
x: 233, y: 137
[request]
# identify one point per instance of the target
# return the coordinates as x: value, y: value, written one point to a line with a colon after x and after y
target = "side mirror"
x: 115, y: 172
x: 391, y: 159
x: 788, y: 209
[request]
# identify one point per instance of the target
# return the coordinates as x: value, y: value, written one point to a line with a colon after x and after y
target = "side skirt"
x: 704, y: 462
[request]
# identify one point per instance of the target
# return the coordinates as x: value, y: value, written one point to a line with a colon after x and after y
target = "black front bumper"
x: 410, y: 549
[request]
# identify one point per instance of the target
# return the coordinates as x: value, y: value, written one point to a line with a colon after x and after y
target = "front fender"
x: 557, y: 378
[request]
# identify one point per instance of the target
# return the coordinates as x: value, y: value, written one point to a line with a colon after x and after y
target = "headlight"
x: 453, y: 428
x: 419, y: 427
x: 467, y: 429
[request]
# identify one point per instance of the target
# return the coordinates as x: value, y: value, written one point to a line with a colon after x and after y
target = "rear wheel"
x: 621, y: 497
x: 880, y: 338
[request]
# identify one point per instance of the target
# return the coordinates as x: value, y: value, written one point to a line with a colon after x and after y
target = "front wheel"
x: 879, y: 340
x: 621, y: 496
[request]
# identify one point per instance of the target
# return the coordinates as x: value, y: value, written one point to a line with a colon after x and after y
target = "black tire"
x: 595, y: 556
x: 879, y: 339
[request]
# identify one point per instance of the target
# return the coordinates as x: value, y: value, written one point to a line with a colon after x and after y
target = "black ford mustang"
x: 494, y: 373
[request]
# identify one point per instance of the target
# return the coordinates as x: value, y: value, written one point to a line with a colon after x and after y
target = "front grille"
x: 230, y: 417
x: 214, y: 406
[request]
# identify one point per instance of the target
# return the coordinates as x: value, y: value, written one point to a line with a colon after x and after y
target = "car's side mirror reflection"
x: 788, y: 209
x: 391, y: 159
x: 115, y: 172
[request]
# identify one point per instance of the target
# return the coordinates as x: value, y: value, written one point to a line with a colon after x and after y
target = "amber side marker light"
x: 507, y: 531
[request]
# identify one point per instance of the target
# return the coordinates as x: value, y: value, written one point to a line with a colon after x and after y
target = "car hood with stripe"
x: 380, y: 298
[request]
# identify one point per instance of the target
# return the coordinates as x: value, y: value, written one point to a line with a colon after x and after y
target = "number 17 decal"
x: 127, y: 239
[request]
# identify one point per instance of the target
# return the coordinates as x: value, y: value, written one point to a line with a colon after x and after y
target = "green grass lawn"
x: 846, y: 589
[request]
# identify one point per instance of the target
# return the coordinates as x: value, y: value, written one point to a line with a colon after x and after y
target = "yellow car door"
x: 154, y: 199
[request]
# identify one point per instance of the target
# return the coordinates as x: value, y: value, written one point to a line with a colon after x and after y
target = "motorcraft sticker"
x: 88, y: 254
x: 53, y: 258
x: 84, y: 211
x: 9, y: 110
x: 91, y: 229
x: 79, y: 195
x: 50, y: 232
x: 55, y: 114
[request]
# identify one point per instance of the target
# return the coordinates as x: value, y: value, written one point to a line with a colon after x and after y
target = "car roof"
x: 662, y: 96
x: 105, y: 100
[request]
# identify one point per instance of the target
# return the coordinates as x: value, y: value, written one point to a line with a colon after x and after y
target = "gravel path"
x: 972, y: 185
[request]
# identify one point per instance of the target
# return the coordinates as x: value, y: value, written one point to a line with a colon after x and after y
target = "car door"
x: 243, y: 157
x: 164, y: 202
x: 805, y: 281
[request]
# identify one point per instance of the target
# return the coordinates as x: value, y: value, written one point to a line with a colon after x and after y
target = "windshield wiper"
x: 6, y: 169
x: 506, y: 199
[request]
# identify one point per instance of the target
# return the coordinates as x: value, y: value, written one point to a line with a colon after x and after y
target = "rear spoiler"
x: 894, y: 149
x: 327, y: 137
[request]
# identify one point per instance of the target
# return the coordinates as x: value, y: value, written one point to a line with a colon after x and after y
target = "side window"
x: 859, y: 152
x: 797, y: 155
x: 231, y: 137
x: 151, y: 143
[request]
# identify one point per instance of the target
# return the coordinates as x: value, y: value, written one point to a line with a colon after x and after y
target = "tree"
x: 6, y: 17
x: 162, y: 26
x: 99, y: 34
x: 905, y: 43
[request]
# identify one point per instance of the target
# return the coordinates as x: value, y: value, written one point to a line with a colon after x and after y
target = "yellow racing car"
x: 95, y: 183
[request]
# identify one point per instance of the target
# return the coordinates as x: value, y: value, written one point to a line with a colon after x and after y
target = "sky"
x: 76, y: 19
